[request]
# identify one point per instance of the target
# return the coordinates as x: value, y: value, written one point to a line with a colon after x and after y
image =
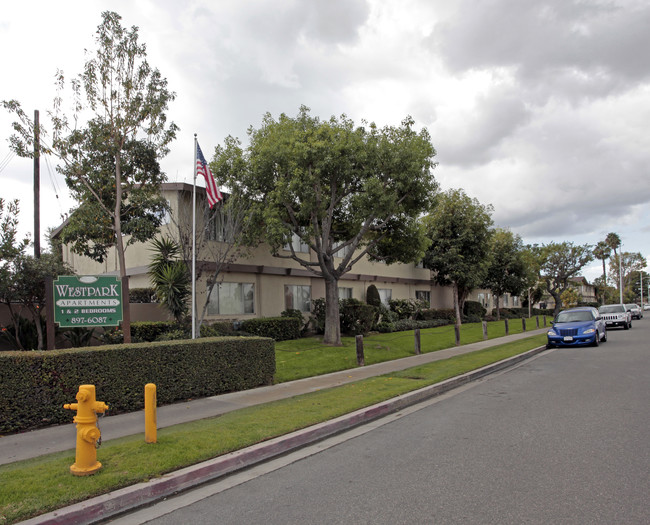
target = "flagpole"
x: 194, y: 246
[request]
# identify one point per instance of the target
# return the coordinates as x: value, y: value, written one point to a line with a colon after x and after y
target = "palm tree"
x: 170, y: 277
x: 602, y: 251
x: 614, y: 241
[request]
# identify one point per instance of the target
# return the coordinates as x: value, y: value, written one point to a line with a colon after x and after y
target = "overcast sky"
x: 540, y: 108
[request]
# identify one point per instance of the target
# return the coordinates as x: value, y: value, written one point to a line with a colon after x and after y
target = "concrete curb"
x: 129, y: 498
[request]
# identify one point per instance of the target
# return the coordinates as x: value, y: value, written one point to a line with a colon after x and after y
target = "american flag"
x: 214, y: 195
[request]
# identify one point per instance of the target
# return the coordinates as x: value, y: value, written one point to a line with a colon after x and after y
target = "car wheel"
x: 549, y: 346
x: 596, y: 340
x: 604, y: 337
x: 626, y: 326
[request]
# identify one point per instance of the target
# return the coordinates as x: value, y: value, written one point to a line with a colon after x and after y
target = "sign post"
x: 87, y: 301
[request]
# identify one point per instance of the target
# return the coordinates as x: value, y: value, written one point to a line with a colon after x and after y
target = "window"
x: 515, y: 301
x: 232, y: 298
x: 481, y: 299
x: 343, y: 252
x: 297, y: 297
x: 385, y: 294
x: 216, y: 230
x: 298, y: 245
x: 165, y: 215
x: 423, y: 295
x: 505, y: 299
x: 345, y: 293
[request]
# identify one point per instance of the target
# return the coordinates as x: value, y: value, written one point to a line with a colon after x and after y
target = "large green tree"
x: 22, y: 277
x: 533, y: 286
x: 506, y: 271
x: 91, y: 229
x: 345, y: 191
x: 459, y: 228
x: 129, y: 101
x: 560, y: 262
x: 639, y: 285
x: 632, y: 262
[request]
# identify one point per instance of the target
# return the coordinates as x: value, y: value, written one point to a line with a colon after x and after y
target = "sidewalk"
x: 17, y: 447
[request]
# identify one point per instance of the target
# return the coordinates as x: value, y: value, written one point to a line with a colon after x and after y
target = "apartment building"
x: 257, y: 284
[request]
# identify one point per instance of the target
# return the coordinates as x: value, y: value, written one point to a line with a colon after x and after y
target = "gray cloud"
x: 588, y: 47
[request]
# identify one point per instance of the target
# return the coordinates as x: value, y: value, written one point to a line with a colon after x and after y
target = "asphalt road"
x: 562, y: 438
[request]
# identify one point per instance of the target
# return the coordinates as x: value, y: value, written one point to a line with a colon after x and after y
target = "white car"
x: 637, y: 313
x: 616, y: 315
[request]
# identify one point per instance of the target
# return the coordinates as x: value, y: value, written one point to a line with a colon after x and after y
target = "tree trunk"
x: 119, y: 246
x: 39, y: 329
x: 457, y: 304
x: 497, y: 296
x: 332, y: 316
x: 557, y: 296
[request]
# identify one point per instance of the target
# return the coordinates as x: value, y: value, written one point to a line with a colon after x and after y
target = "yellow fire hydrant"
x: 87, y: 431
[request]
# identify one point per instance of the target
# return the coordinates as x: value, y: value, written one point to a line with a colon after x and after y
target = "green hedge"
x: 436, y: 313
x: 34, y: 386
x: 278, y: 328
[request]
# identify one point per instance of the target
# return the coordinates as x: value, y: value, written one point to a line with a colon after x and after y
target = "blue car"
x: 577, y: 327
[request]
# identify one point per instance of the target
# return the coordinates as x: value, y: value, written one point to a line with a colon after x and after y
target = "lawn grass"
x: 308, y: 356
x: 32, y: 487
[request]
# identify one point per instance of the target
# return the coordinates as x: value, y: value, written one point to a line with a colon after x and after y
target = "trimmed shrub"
x: 142, y: 295
x: 147, y: 331
x: 372, y: 296
x: 317, y: 318
x: 217, y: 329
x: 277, y: 328
x: 356, y: 317
x: 471, y: 319
x: 296, y: 314
x: 474, y: 309
x: 34, y: 386
x: 447, y: 314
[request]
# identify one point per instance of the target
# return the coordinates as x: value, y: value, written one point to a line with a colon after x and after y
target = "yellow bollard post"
x: 88, y: 434
x: 150, y: 423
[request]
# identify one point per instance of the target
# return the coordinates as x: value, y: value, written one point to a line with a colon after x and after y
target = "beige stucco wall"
x: 269, y: 274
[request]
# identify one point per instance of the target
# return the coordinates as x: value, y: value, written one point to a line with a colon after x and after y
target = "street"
x: 562, y: 438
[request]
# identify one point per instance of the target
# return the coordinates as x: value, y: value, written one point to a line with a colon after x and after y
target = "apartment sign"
x: 87, y: 301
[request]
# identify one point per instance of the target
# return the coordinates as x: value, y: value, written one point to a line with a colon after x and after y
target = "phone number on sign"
x: 88, y: 320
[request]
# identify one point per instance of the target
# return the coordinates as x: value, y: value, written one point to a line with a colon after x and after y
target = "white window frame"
x: 232, y: 299
x: 385, y: 294
x: 345, y: 293
x: 297, y: 297
x: 299, y: 246
x: 344, y: 251
x: 426, y: 293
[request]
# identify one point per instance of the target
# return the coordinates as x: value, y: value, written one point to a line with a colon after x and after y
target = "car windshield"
x: 611, y: 309
x: 633, y: 306
x: 572, y: 317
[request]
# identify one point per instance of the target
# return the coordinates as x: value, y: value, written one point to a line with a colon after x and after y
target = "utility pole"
x: 620, y: 271
x: 641, y: 287
x: 37, y: 188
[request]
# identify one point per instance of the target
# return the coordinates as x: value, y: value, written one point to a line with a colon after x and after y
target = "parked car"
x: 646, y: 306
x: 616, y: 315
x: 635, y: 309
x: 577, y: 327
